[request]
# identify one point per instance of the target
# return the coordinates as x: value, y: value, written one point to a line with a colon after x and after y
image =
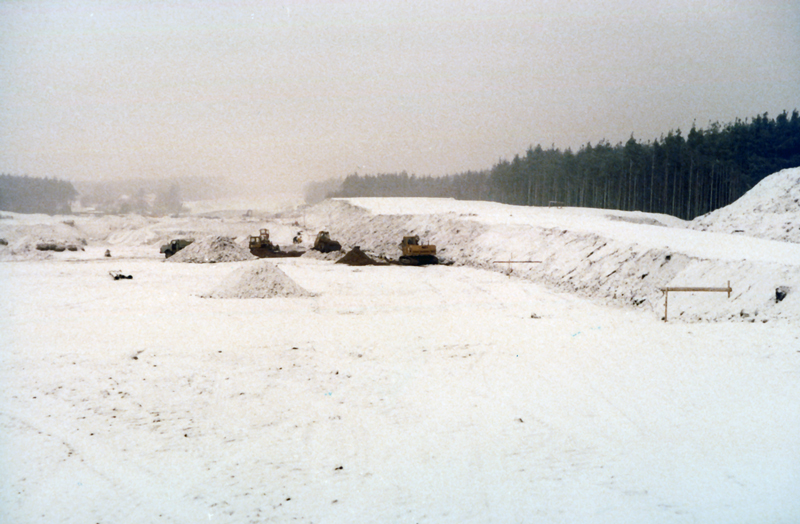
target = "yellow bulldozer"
x: 416, y: 254
x: 262, y: 247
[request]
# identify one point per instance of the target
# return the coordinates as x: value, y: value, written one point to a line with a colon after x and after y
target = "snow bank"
x: 211, y: 250
x: 770, y: 210
x: 264, y: 280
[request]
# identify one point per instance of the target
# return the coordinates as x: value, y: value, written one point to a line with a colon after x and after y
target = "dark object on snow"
x: 781, y: 292
x: 117, y: 275
x: 3, y: 242
x: 58, y: 248
x: 175, y: 245
x: 324, y: 244
x: 356, y: 257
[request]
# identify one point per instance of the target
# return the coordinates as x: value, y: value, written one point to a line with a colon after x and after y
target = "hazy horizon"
x: 277, y: 94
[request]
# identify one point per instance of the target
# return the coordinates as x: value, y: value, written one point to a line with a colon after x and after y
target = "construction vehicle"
x: 416, y: 254
x: 173, y: 246
x: 324, y: 244
x: 262, y: 243
x: 261, y: 246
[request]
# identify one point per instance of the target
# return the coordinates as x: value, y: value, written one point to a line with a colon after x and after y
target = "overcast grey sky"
x: 281, y: 93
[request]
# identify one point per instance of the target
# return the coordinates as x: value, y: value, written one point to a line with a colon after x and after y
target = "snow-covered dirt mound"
x: 263, y: 280
x: 211, y: 250
x: 770, y: 210
x: 36, y: 240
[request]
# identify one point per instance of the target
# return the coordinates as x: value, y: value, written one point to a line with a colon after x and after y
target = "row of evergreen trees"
x: 24, y: 194
x: 140, y: 196
x: 677, y: 175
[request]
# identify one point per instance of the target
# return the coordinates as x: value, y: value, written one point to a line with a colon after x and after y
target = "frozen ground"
x: 477, y: 392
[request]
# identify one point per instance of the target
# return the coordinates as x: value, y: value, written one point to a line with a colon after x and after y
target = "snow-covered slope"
x: 616, y: 257
x: 770, y: 210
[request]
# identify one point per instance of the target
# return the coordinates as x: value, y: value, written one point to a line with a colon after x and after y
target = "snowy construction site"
x: 557, y: 365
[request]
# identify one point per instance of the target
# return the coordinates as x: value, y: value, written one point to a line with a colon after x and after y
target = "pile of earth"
x: 212, y: 249
x: 770, y: 210
x: 356, y: 257
x: 262, y: 280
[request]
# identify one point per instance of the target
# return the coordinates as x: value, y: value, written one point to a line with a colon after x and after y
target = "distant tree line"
x: 473, y: 185
x: 676, y: 175
x: 25, y: 194
x: 154, y: 195
x: 139, y: 196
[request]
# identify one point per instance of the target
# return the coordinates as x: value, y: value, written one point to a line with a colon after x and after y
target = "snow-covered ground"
x: 475, y: 392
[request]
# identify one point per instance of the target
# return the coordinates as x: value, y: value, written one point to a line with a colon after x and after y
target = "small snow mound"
x: 264, y: 280
x: 770, y: 210
x: 211, y: 250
